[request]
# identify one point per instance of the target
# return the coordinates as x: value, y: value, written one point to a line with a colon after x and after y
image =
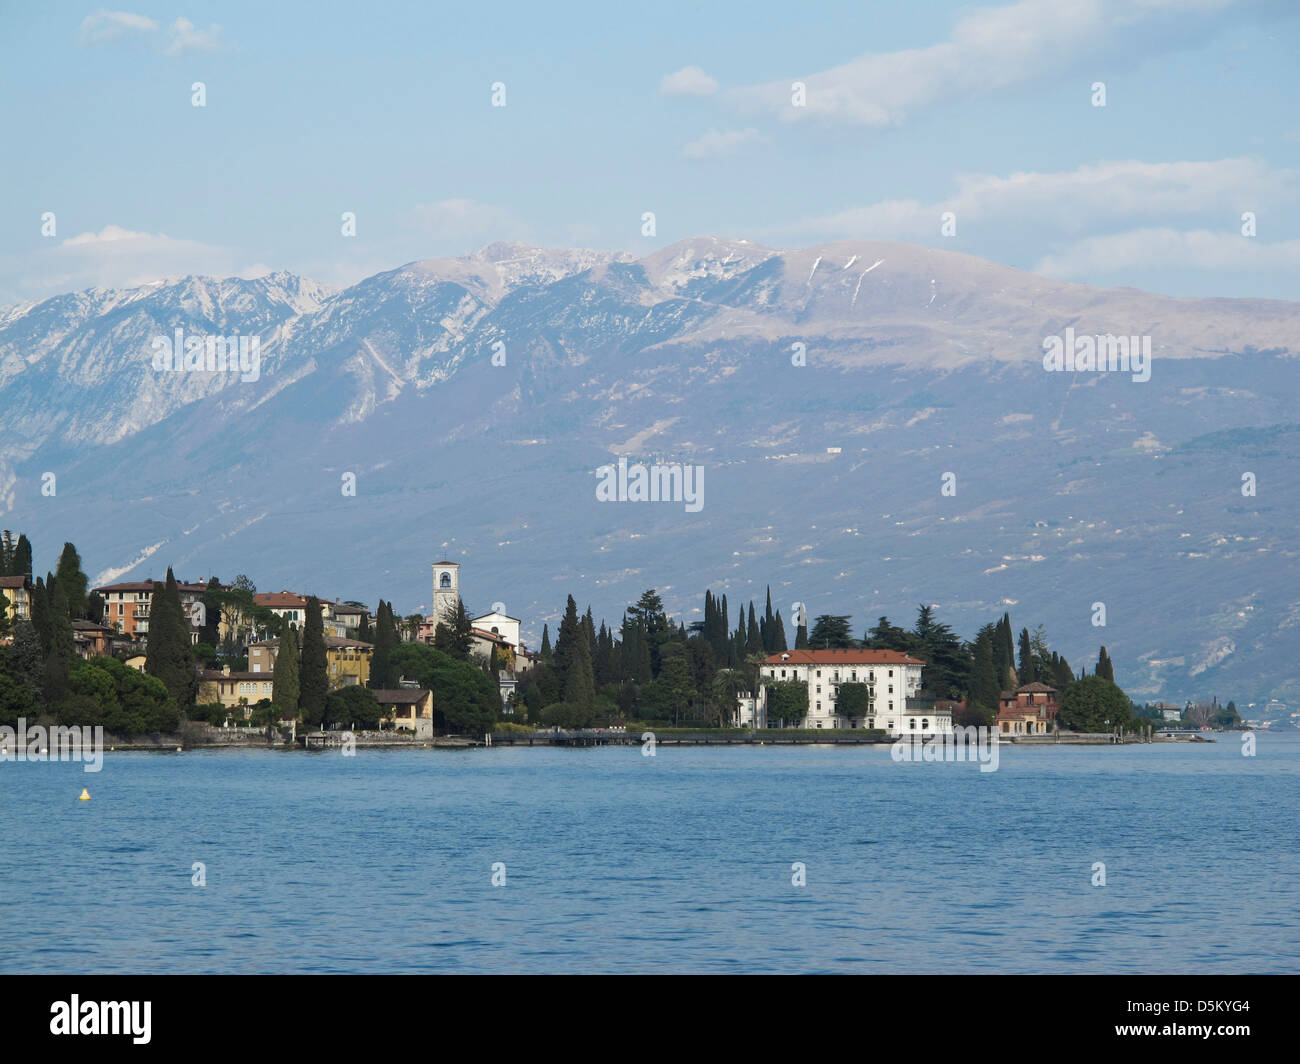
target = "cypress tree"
x: 1105, y: 667
x: 754, y: 637
x: 62, y: 650
x: 313, y: 669
x: 169, y: 655
x: 984, y: 683
x: 386, y: 640
x: 73, y: 581
x: 574, y: 664
x: 22, y: 562
x: 769, y: 624
x: 1026, y: 670
x: 778, y: 635
x: 545, y: 652
x: 41, y: 616
x: 284, y: 686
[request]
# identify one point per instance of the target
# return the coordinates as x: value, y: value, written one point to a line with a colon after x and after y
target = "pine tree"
x: 284, y: 686
x: 169, y: 655
x: 313, y: 667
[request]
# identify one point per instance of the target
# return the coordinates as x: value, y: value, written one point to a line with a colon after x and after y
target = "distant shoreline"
x: 336, y: 740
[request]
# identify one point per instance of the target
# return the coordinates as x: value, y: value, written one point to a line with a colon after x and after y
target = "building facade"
x: 126, y: 607
x: 347, y: 661
x: 893, y: 686
x: 1030, y: 709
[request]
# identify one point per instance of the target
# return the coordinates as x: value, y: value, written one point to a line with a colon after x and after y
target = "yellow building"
x: 409, y: 710
x: 347, y: 661
x: 234, y: 689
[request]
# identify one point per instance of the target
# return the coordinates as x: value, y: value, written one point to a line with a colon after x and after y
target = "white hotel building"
x: 892, y: 678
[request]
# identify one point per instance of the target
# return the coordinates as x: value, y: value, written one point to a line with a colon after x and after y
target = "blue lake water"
x: 615, y: 862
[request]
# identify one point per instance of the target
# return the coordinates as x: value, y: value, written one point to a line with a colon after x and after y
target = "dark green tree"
x: 831, y: 632
x: 284, y: 685
x: 73, y: 581
x: 313, y: 667
x: 169, y: 654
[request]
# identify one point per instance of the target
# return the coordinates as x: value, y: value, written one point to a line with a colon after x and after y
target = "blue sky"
x: 385, y: 110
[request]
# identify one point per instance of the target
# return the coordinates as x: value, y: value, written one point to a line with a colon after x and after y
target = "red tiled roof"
x: 281, y: 599
x: 14, y: 581
x: 841, y: 657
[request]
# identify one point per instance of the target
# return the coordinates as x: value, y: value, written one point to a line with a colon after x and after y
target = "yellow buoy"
x: 85, y: 795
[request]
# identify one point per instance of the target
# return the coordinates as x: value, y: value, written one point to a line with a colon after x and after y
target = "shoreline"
x: 335, y: 741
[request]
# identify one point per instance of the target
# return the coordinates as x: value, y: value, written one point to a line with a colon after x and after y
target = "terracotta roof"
x: 281, y: 599
x: 841, y: 657
x: 15, y: 581
x: 1035, y: 686
x: 494, y: 637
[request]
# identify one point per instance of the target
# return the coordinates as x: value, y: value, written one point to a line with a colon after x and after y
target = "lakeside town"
x: 217, y: 662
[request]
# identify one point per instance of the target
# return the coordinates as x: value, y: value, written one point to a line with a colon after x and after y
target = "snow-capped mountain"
x: 475, y: 397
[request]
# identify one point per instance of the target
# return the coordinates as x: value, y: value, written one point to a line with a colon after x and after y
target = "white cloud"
x: 1065, y: 204
x: 992, y: 49
x: 1149, y: 249
x: 105, y: 26
x: 182, y: 35
x: 720, y: 145
x: 115, y: 257
x: 689, y: 81
x: 186, y: 37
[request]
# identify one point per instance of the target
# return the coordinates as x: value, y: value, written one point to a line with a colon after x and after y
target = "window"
x: 445, y: 580
x: 819, y: 690
x: 924, y: 723
x: 911, y: 723
x: 819, y: 674
x: 819, y: 709
x: 891, y: 688
x: 871, y: 722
